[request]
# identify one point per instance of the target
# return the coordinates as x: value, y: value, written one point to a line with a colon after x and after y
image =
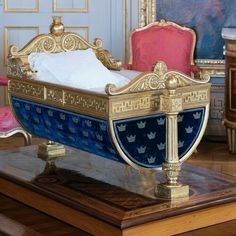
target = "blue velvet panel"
x: 143, y: 139
x: 72, y: 129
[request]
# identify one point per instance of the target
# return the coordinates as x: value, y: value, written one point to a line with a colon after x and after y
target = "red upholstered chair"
x: 163, y: 41
x: 8, y: 124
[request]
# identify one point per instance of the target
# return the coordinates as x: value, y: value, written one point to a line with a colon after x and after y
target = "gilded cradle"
x: 157, y: 119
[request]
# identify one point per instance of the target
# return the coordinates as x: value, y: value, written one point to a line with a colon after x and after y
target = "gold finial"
x: 57, y: 28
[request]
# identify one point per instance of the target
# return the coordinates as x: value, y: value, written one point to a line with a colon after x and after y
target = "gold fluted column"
x: 171, y: 104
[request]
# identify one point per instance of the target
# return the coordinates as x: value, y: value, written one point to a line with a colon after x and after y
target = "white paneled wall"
x: 110, y: 20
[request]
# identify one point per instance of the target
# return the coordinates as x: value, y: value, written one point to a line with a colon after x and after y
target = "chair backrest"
x: 162, y: 41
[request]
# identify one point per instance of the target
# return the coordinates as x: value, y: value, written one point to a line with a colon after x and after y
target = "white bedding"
x: 77, y: 69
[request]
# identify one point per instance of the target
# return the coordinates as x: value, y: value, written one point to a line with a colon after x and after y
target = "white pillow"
x: 79, y: 69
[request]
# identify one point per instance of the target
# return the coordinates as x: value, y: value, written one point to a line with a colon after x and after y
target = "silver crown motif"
x: 39, y: 110
x: 36, y: 127
x: 88, y: 123
x: 141, y: 149
x: 17, y: 104
x: 50, y: 113
x: 99, y: 137
x: 26, y: 117
x: 85, y: 142
x: 48, y: 131
x: 151, y: 159
x: 48, y: 123
x: 180, y: 118
x: 36, y: 120
x: 99, y: 146
x: 59, y: 134
x: 161, y: 121
x: 103, y: 127
x: 180, y: 144
x: 151, y: 135
x: 60, y: 126
x: 111, y: 150
x: 85, y: 133
x: 197, y: 115
x: 75, y: 120
x: 62, y: 116
x: 161, y: 146
x: 27, y: 107
x: 72, y: 138
x: 189, y: 130
x: 131, y: 138
x: 72, y: 130
x: 121, y: 127
x: 141, y: 124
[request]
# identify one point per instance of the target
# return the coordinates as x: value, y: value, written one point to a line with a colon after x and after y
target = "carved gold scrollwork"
x: 155, y: 80
x: 106, y: 58
x: 56, y: 41
x: 72, y: 41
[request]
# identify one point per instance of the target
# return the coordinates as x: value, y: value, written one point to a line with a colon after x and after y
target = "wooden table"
x: 103, y: 197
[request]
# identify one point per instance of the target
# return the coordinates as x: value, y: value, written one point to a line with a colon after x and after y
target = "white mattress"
x: 78, y: 69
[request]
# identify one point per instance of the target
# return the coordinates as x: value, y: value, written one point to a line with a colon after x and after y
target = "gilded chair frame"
x: 164, y: 23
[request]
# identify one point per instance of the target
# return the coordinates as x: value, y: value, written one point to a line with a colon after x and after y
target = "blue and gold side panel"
x: 72, y: 129
x: 143, y: 139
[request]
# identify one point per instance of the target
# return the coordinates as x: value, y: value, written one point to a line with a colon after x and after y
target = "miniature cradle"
x: 155, y: 121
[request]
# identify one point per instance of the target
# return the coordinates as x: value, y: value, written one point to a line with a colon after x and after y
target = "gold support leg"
x: 49, y: 152
x: 171, y: 104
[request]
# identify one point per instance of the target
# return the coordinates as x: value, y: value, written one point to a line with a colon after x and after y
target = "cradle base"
x: 172, y: 192
x: 106, y: 198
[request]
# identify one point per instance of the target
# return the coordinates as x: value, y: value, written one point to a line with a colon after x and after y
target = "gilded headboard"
x: 56, y: 41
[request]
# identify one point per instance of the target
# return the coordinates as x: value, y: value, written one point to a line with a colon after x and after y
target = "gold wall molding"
x: 147, y: 12
x: 6, y: 36
x: 79, y: 28
x: 55, y: 8
x: 15, y: 9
